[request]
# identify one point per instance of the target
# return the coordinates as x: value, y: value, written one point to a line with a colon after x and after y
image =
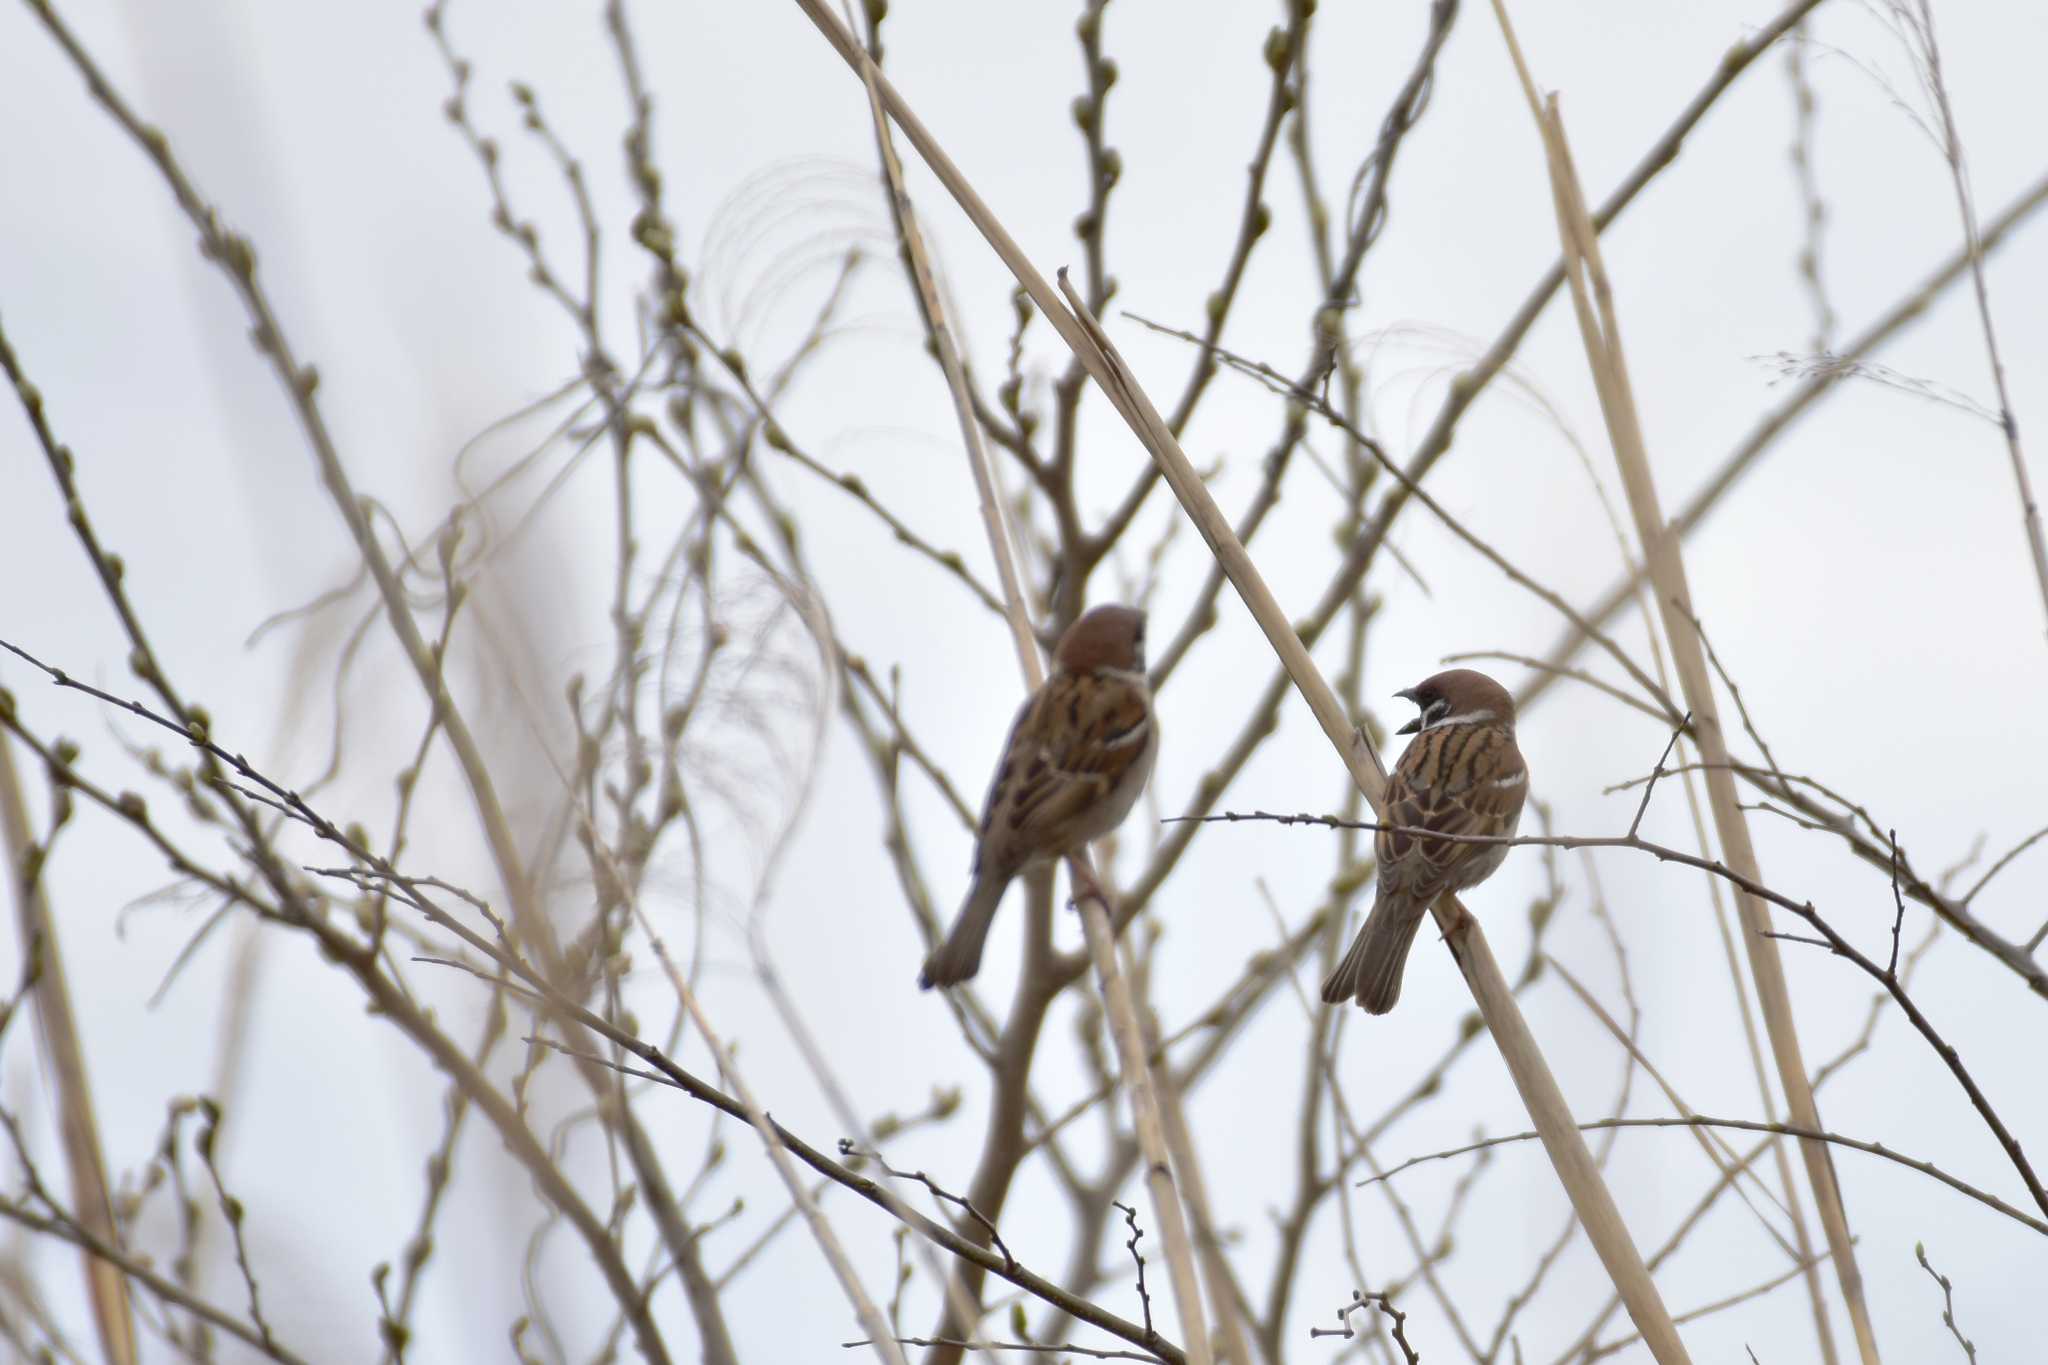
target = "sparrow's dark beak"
x: 1408, y: 694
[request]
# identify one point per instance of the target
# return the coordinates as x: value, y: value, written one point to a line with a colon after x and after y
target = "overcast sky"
x: 1867, y: 585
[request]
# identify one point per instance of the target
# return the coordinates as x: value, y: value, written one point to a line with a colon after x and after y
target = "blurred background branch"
x: 581, y: 590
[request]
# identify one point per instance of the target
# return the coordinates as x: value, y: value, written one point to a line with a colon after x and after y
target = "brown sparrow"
x: 1077, y: 757
x: 1462, y: 774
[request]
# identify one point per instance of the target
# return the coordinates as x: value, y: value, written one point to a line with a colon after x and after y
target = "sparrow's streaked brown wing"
x: 1456, y: 780
x: 1071, y: 746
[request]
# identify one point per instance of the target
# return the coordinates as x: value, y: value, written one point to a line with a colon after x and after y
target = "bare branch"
x: 1878, y: 1149
x: 1948, y: 1302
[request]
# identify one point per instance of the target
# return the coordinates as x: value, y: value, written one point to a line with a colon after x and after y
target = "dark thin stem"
x: 1361, y: 1299
x: 1316, y: 403
x: 1829, y: 939
x: 533, y: 983
x: 848, y: 1149
x: 1948, y: 1302
x: 1131, y: 1221
x: 1024, y: 1347
x: 1926, y: 1168
x: 1658, y: 772
x: 1891, y: 969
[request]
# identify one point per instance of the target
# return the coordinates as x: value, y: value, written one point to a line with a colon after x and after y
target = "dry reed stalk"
x: 1534, y: 1082
x: 106, y: 1284
x: 1145, y: 1118
x: 1531, y: 1073
x: 1718, y: 1150
x: 880, y: 1337
x: 1592, y: 300
x: 1745, y: 1007
x: 1802, y: 1237
x: 1776, y: 422
x: 951, y: 1288
x: 1225, y: 1295
x: 1095, y: 910
x: 956, y: 374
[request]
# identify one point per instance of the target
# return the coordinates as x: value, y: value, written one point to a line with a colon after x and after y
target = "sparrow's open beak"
x: 1408, y: 694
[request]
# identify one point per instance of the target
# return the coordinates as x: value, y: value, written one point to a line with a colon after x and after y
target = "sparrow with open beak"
x: 1462, y: 774
x: 1079, y: 753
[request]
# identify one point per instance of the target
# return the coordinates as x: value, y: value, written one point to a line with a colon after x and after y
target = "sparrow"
x: 1078, y: 754
x: 1462, y: 774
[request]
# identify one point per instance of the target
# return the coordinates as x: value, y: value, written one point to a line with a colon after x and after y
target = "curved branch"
x: 1927, y: 1168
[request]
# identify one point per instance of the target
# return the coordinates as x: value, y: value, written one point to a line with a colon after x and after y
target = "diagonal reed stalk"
x: 1531, y: 1073
x: 106, y: 1284
x: 1122, y: 1012
x: 1593, y: 302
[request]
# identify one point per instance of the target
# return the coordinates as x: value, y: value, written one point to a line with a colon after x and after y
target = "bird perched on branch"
x: 1462, y: 774
x: 1078, y: 754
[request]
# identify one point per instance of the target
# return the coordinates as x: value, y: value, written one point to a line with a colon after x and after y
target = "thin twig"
x: 1131, y: 1221
x: 1321, y: 406
x: 1717, y: 1151
x: 2021, y: 847
x: 1918, y: 24
x: 1814, y: 209
x: 533, y: 984
x: 1361, y: 1299
x: 848, y: 1149
x: 1656, y: 773
x: 1891, y: 969
x: 1062, y: 1348
x: 1948, y: 1302
x: 1620, y: 1344
x: 1913, y: 305
x: 1759, y: 892
x: 1878, y: 1149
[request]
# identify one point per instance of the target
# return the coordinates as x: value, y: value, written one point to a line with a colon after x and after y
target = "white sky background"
x: 1868, y: 584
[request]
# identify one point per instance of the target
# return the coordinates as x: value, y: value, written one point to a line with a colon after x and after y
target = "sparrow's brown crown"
x: 1459, y: 695
x: 1107, y: 637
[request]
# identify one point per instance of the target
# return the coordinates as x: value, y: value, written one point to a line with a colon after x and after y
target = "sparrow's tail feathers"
x: 1371, y: 971
x: 959, y: 957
